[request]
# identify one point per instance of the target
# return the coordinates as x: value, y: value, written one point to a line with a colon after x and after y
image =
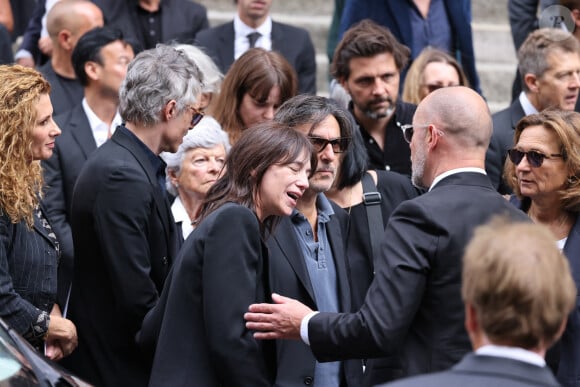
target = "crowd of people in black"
x: 179, y: 208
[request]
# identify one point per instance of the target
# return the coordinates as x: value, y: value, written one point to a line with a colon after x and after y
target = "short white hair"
x: 207, y: 134
x: 212, y: 76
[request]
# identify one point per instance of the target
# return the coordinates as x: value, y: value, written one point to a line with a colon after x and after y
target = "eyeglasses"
x: 535, y: 158
x: 197, y: 116
x: 339, y: 144
x: 408, y: 130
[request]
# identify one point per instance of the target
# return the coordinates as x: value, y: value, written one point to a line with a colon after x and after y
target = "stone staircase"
x: 494, y: 51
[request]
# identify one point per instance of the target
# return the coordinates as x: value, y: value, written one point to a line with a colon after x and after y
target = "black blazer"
x: 484, y: 371
x: 289, y: 276
x: 28, y: 275
x: 125, y: 241
x: 504, y: 125
x: 181, y: 20
x: 569, y: 345
x: 292, y: 42
x: 414, y: 303
x: 61, y: 171
x: 202, y: 338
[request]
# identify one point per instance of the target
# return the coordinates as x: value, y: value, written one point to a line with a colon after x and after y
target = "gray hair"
x: 207, y: 134
x: 534, y: 52
x: 212, y: 76
x: 154, y: 78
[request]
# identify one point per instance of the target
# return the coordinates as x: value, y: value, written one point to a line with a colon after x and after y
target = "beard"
x: 376, y: 114
x: 418, y: 167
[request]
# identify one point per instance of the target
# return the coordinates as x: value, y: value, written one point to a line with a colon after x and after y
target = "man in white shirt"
x: 518, y: 291
x: 100, y: 61
x: 253, y: 27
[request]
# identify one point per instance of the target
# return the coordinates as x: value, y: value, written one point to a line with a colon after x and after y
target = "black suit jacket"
x: 202, y: 338
x: 289, y: 276
x: 484, y: 371
x: 181, y: 20
x: 125, y: 241
x: 292, y: 42
x: 413, y: 307
x: 504, y: 124
x: 61, y: 171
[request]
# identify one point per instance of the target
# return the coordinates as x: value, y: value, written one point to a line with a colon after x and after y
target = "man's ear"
x: 531, y: 81
x: 64, y: 39
x: 91, y: 70
x: 170, y: 110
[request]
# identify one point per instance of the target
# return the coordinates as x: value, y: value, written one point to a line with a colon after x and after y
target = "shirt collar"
x: 514, y: 353
x: 242, y: 29
x: 323, y: 207
x: 453, y: 172
x: 526, y: 104
x: 180, y: 215
x: 96, y: 123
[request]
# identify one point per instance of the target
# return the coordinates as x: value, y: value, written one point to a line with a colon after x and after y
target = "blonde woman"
x: 29, y: 251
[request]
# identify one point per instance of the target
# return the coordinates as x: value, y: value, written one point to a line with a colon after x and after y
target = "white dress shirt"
x: 242, y: 30
x: 100, y: 129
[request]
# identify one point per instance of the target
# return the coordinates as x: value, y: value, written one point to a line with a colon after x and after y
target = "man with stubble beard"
x: 367, y: 64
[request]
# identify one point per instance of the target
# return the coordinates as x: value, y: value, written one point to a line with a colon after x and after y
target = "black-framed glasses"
x: 197, y: 116
x: 535, y: 158
x: 339, y: 144
x: 408, y: 130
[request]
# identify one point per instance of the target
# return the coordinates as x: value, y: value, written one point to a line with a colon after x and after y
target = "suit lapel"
x: 161, y: 202
x: 336, y: 244
x: 517, y: 112
x: 40, y: 229
x: 81, y: 131
x: 285, y: 237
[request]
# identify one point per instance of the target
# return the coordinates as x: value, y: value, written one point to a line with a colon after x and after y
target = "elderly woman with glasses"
x: 193, y: 169
x: 544, y: 172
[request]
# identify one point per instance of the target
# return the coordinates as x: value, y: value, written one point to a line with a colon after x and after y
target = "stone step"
x: 494, y: 52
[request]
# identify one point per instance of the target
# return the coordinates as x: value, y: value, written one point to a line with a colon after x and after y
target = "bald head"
x: 75, y: 16
x: 461, y: 113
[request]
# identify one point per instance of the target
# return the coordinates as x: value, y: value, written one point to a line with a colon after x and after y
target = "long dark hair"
x: 258, y: 148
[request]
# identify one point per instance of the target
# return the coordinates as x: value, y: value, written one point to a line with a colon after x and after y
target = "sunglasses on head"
x: 338, y: 145
x: 535, y: 158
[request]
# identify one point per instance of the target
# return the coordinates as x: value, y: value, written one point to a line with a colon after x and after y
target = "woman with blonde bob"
x: 432, y: 70
x: 255, y: 86
x: 29, y: 251
x: 543, y: 169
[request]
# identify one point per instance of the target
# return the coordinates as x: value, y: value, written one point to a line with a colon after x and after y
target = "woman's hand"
x: 61, y: 338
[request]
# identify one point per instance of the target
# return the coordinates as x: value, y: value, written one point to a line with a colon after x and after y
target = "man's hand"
x: 276, y: 321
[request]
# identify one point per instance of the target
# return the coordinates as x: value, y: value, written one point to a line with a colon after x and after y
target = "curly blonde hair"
x: 20, y: 176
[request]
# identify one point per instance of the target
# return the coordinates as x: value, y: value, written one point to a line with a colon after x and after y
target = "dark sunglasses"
x: 338, y: 145
x: 197, y: 116
x: 535, y: 158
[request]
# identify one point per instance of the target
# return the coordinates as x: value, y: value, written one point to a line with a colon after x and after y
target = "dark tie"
x: 253, y: 37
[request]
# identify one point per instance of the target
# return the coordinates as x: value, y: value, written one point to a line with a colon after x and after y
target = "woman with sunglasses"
x: 544, y: 172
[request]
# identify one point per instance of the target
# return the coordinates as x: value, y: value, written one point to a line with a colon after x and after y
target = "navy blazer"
x: 289, y: 277
x: 504, y: 125
x: 28, y: 275
x: 413, y: 308
x: 181, y: 20
x: 292, y: 42
x: 125, y: 241
x: 483, y: 371
x: 395, y: 15
x: 61, y: 171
